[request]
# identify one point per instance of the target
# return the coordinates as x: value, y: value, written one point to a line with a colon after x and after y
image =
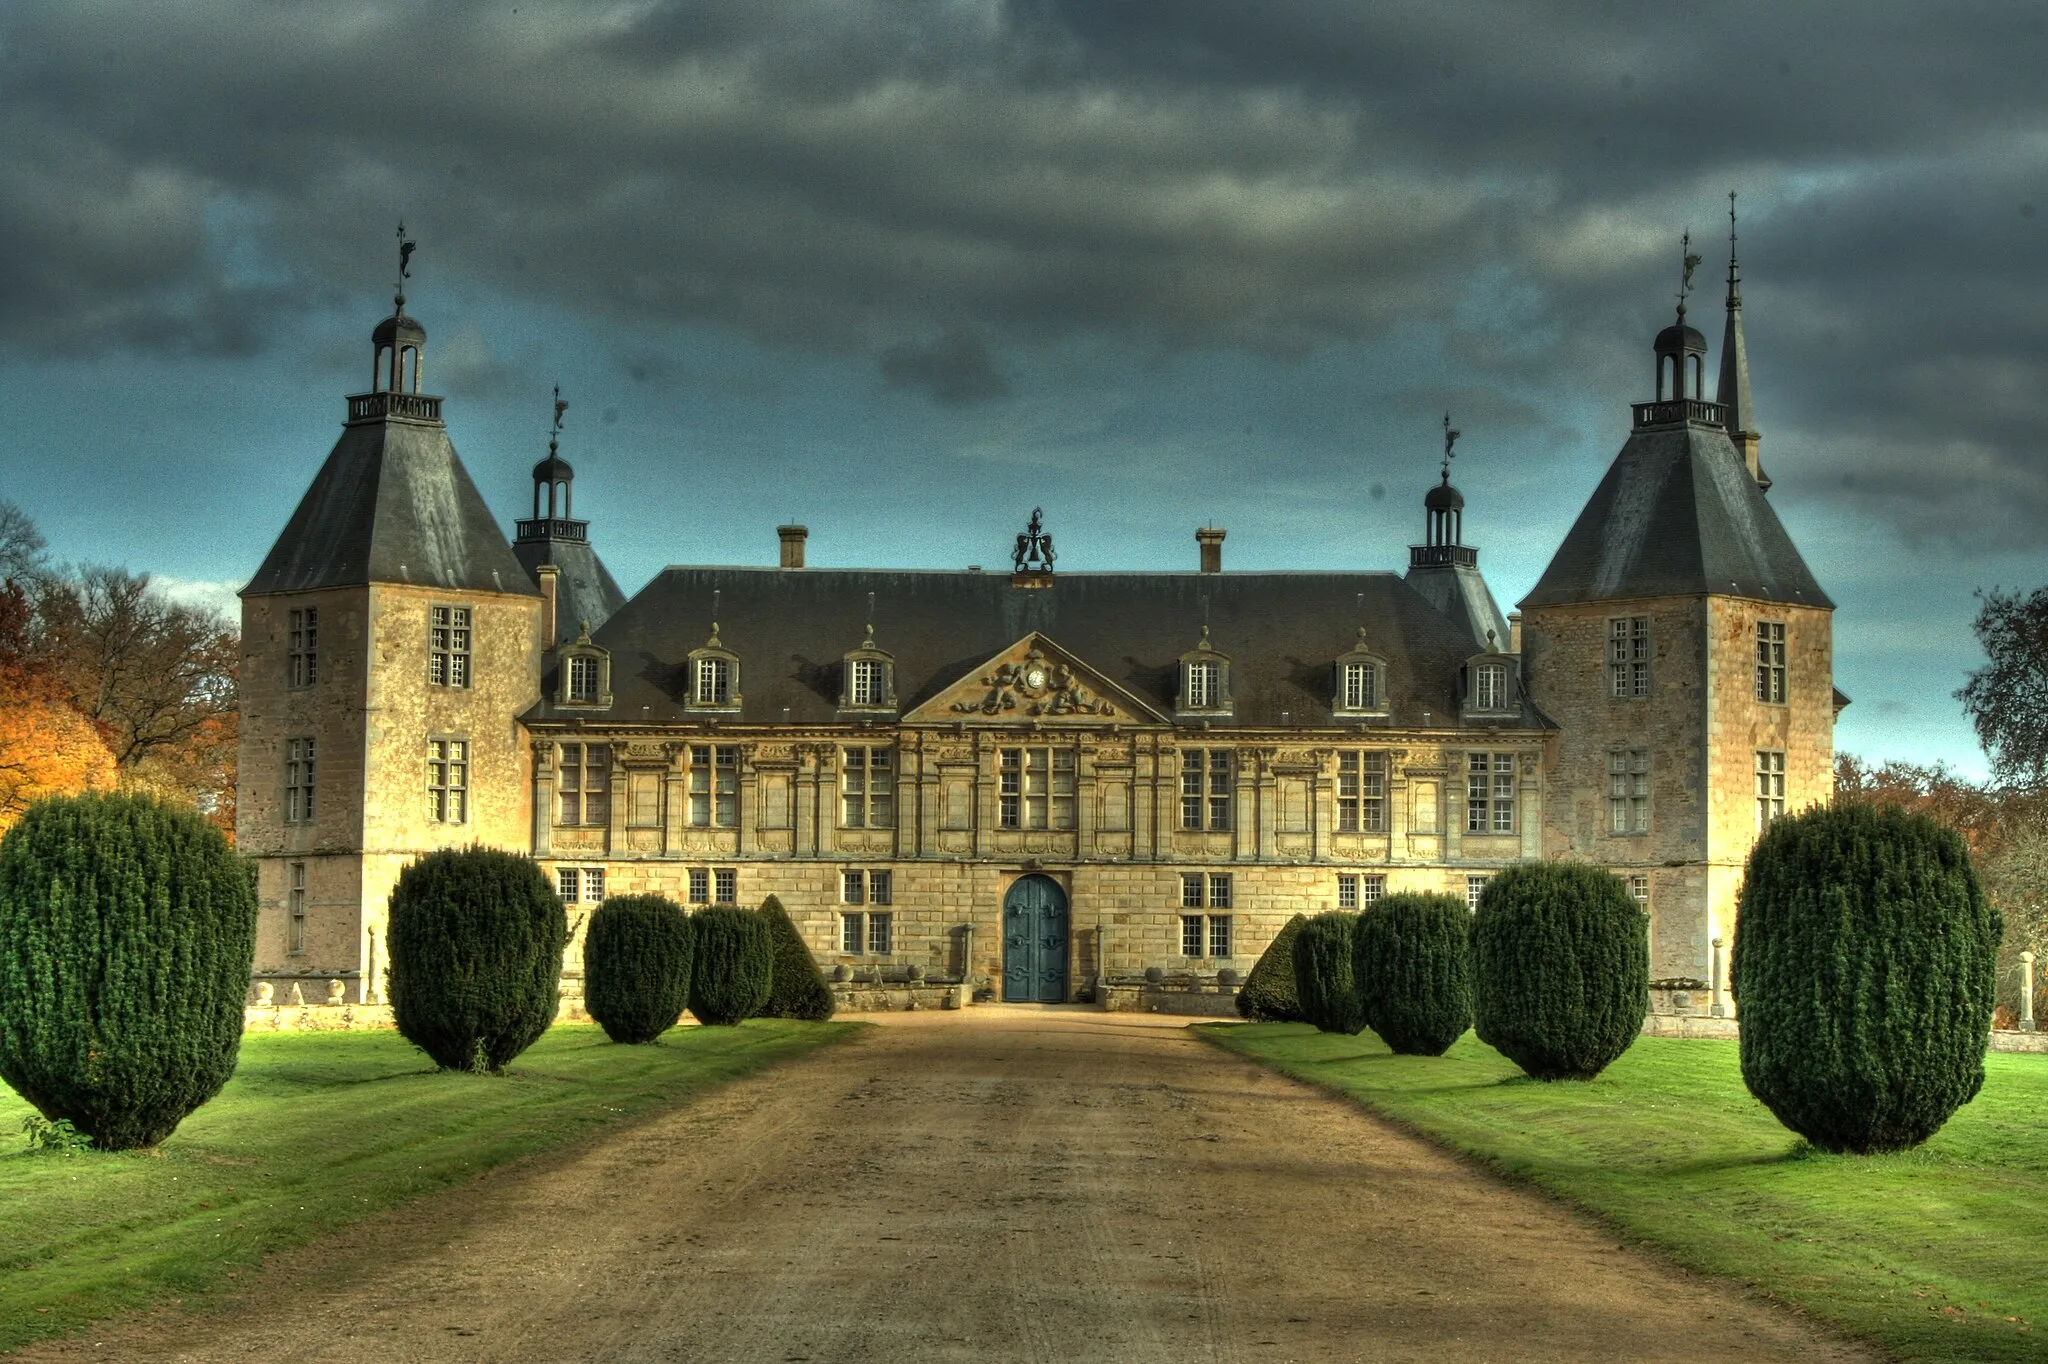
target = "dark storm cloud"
x: 1505, y: 177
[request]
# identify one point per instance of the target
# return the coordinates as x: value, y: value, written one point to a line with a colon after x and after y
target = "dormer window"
x: 869, y: 680
x: 1361, y: 681
x: 586, y: 673
x: 714, y: 676
x: 1204, y: 679
x: 1490, y: 685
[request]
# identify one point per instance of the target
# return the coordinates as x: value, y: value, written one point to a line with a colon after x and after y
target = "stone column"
x: 2026, y: 992
x: 1718, y: 1009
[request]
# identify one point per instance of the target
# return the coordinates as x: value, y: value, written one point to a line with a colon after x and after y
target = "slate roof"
x: 1677, y: 515
x: 584, y: 590
x: 392, y: 504
x: 791, y: 627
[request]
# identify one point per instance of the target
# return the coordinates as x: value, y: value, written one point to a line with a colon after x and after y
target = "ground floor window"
x: 866, y: 887
x: 714, y: 885
x: 297, y: 895
x: 1639, y: 888
x: 868, y: 933
x: 1356, y: 890
x: 1199, y: 932
x: 585, y: 884
x: 1475, y: 886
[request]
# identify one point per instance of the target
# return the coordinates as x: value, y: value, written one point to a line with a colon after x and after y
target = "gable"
x: 1035, y: 680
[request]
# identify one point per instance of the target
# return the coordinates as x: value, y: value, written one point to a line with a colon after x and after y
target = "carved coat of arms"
x: 1035, y: 686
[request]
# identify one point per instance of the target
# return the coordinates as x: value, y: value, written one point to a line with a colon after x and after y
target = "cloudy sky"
x: 903, y: 270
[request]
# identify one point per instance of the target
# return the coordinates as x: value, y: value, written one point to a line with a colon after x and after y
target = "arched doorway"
x: 1035, y: 942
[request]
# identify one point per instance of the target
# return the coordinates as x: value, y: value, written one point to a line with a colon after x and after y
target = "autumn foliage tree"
x: 46, y: 747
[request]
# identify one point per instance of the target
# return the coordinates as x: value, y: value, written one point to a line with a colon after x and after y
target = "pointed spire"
x: 1733, y: 389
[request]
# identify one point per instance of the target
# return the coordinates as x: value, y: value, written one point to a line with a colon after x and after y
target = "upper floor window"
x: 1204, y: 685
x: 868, y: 682
x: 296, y: 903
x: 714, y: 682
x: 303, y: 668
x: 1356, y: 891
x: 1361, y: 686
x: 1361, y: 793
x: 583, y: 782
x: 867, y: 784
x: 298, y: 781
x: 1489, y: 793
x: 1628, y: 790
x: 1628, y: 656
x: 583, y: 670
x: 1361, y: 680
x: 714, y: 786
x: 1204, y: 677
x: 448, y: 641
x: 1205, y: 788
x: 1490, y: 686
x: 1035, y: 788
x: 448, y: 781
x: 1770, y: 661
x: 1770, y: 786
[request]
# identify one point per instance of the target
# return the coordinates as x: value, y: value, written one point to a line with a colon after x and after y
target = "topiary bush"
x: 636, y: 966
x: 735, y: 964
x: 127, y: 931
x: 796, y: 988
x: 1322, y: 973
x: 1411, y: 964
x: 1268, y: 994
x: 1560, y: 968
x: 475, y: 938
x: 1864, y: 975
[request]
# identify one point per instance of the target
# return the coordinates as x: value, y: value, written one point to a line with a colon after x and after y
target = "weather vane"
x: 560, y: 408
x: 1451, y: 435
x: 406, y: 246
x: 1692, y: 263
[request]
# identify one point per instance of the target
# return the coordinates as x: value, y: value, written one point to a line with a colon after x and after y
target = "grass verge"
x: 1935, y: 1254
x: 317, y: 1130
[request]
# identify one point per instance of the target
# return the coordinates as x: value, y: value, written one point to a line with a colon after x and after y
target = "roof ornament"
x: 1034, y: 547
x: 712, y: 643
x: 1692, y: 263
x: 560, y: 408
x: 1734, y: 271
x: 406, y: 246
x: 1451, y: 435
x: 869, y: 641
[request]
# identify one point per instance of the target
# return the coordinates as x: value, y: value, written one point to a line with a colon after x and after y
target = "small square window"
x: 726, y: 882
x: 700, y: 885
x: 1347, y: 891
x: 1639, y: 888
x: 853, y: 888
x: 1373, y: 890
x: 1191, y: 890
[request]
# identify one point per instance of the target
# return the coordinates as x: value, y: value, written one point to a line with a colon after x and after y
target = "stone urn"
x: 1153, y: 975
x: 265, y: 994
x: 842, y: 973
x: 337, y: 993
x: 1227, y: 976
x: 914, y: 974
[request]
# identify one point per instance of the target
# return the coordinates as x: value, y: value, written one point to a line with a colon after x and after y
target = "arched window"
x: 713, y: 677
x: 1361, y: 681
x: 585, y: 674
x: 867, y: 678
x: 1204, y: 680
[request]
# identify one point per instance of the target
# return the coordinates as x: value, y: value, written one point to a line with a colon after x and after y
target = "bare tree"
x: 22, y: 546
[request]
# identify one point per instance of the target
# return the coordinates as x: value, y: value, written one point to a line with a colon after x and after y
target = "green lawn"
x: 314, y: 1131
x: 1940, y: 1253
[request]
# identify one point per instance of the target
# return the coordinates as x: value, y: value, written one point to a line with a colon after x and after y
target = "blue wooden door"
x: 1035, y: 942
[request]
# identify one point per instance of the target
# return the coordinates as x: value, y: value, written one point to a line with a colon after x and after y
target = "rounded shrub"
x: 476, y: 938
x: 1560, y: 968
x: 1322, y: 973
x: 796, y: 988
x: 1411, y: 963
x: 735, y: 966
x: 1864, y: 968
x: 127, y: 931
x: 1268, y: 994
x: 636, y: 966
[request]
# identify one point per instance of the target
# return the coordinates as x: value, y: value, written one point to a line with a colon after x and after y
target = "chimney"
x: 548, y: 573
x: 792, y: 538
x: 1210, y: 538
x: 1514, y: 632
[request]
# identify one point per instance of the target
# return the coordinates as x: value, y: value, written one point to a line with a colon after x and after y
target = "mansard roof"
x: 792, y: 627
x: 1677, y: 515
x: 392, y: 504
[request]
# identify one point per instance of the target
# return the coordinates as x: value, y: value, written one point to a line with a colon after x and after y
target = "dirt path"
x: 1002, y: 1184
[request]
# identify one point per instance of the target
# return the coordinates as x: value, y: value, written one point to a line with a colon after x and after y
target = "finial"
x: 1204, y: 646
x: 406, y: 246
x: 1692, y: 263
x: 1734, y: 271
x: 1450, y: 439
x: 716, y: 596
x: 560, y: 408
x: 869, y: 642
x: 1361, y: 636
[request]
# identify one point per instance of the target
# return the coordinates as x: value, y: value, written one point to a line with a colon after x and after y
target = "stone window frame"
x: 1204, y: 690
x: 707, y: 884
x: 696, y: 696
x: 1499, y: 796
x: 867, y: 679
x: 711, y: 784
x: 1631, y: 654
x: 1021, y: 800
x: 295, y: 908
x: 1207, y: 789
x: 451, y: 645
x: 1630, y: 795
x: 867, y: 793
x: 587, y: 664
x: 302, y: 647
x: 867, y: 933
x: 1362, y: 772
x: 593, y: 802
x: 449, y: 760
x: 1771, y: 652
x: 575, y: 885
x: 1344, y: 700
x: 1770, y: 786
x: 301, y: 778
x: 1475, y: 886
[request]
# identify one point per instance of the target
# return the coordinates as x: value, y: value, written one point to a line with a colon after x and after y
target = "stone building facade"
x: 1037, y: 783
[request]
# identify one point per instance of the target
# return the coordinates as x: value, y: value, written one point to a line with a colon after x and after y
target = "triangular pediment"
x: 1035, y: 680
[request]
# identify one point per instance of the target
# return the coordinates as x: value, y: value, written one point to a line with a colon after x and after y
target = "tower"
x: 388, y: 641
x: 554, y: 548
x: 1445, y: 570
x: 1685, y: 652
